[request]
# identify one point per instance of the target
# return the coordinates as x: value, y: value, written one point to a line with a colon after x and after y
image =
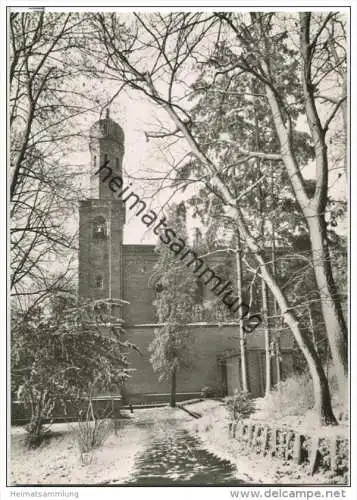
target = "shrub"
x: 37, y: 432
x: 240, y: 405
x: 91, y: 433
x: 41, y: 404
x: 293, y: 396
x: 59, y: 353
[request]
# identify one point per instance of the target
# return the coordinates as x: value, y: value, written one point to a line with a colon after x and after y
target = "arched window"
x: 199, y: 292
x: 197, y: 312
x: 99, y: 281
x: 99, y: 229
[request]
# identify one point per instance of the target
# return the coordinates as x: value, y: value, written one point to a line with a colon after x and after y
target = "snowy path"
x: 174, y: 457
x: 152, y: 448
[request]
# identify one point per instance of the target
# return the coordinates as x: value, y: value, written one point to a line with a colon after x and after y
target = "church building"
x: 109, y: 268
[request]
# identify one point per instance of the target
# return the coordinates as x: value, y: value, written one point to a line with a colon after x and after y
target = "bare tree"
x: 173, y: 39
x: 242, y: 334
x: 44, y: 111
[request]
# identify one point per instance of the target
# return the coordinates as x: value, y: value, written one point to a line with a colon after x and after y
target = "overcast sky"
x: 143, y: 158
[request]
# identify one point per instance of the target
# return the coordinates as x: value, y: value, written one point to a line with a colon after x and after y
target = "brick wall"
x: 208, y: 343
x: 100, y: 257
x: 139, y: 261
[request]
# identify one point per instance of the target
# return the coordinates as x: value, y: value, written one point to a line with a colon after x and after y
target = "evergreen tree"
x: 175, y: 288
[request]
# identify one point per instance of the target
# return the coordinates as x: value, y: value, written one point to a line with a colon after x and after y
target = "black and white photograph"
x: 178, y: 249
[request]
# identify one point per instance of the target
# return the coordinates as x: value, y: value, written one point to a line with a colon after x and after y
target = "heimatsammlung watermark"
x: 179, y: 247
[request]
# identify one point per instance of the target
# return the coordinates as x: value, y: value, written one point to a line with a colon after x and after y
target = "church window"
x: 99, y: 229
x: 94, y: 161
x: 199, y: 292
x: 197, y: 312
x: 117, y: 163
x: 99, y: 281
x: 105, y: 158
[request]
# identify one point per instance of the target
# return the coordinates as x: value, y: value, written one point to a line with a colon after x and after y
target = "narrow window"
x: 117, y: 163
x: 105, y: 158
x: 94, y: 161
x: 199, y: 293
x: 197, y: 312
x: 99, y: 228
x: 99, y: 282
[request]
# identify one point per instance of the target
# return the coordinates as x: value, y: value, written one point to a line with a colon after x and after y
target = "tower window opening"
x: 199, y: 293
x: 94, y: 161
x: 117, y: 163
x: 99, y: 229
x: 105, y: 158
x: 99, y: 281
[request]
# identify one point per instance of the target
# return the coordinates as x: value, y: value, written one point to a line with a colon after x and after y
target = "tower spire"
x: 106, y: 144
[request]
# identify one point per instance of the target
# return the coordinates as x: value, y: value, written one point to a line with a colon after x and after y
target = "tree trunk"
x: 313, y: 208
x: 321, y: 389
x: 323, y: 406
x: 277, y: 361
x: 314, y: 211
x: 243, y: 359
x: 277, y: 324
x: 312, y: 328
x: 345, y: 125
x: 266, y: 339
x: 331, y: 309
x: 173, y: 388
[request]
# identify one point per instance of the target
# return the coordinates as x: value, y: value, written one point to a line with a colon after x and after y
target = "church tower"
x: 102, y: 218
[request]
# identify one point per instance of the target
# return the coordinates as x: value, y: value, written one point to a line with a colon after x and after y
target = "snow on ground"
x: 57, y: 461
x: 212, y: 429
x: 306, y: 423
